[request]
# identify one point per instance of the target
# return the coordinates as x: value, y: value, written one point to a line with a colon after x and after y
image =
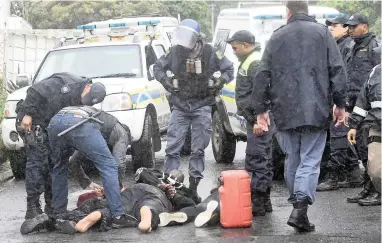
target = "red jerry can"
x: 235, y: 199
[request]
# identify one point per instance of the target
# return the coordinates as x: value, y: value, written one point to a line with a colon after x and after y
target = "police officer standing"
x: 368, y: 110
x: 193, y: 63
x: 259, y: 148
x: 44, y: 99
x: 343, y: 169
x: 362, y: 60
x: 117, y: 137
x: 300, y: 71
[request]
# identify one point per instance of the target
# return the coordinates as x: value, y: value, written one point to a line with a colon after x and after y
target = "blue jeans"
x: 304, y: 148
x: 89, y: 141
x: 180, y: 121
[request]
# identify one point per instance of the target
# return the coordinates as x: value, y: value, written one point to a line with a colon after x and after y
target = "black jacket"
x: 368, y: 106
x: 301, y: 69
x: 345, y: 44
x: 193, y: 88
x: 361, y: 62
x: 45, y: 98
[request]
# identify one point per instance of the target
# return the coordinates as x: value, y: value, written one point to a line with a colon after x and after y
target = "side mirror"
x: 23, y: 80
x: 151, y: 73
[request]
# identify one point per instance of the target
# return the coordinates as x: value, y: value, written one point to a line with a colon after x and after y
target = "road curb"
x: 6, y: 175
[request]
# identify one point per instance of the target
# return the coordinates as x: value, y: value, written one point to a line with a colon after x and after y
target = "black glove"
x: 168, y: 85
x: 218, y: 85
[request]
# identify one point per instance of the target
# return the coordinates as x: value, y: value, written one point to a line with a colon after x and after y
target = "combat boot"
x: 367, y: 189
x: 330, y: 183
x: 268, y: 204
x: 40, y: 222
x: 258, y: 201
x: 193, y: 186
x: 374, y: 199
x: 352, y: 179
x: 33, y: 209
x: 299, y: 217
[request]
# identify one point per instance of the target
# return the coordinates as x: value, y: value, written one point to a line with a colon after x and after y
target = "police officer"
x: 362, y: 60
x: 193, y: 63
x: 87, y: 139
x: 259, y: 148
x: 368, y: 111
x: 44, y: 99
x: 117, y: 136
x: 343, y: 169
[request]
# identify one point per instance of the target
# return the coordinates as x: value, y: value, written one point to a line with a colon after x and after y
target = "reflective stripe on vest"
x: 243, y: 70
x: 376, y: 104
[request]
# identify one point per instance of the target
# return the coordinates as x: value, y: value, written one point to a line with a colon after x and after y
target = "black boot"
x: 33, y: 208
x: 258, y: 201
x: 40, y: 222
x: 352, y: 179
x: 299, y: 217
x: 330, y: 183
x: 268, y: 204
x: 374, y: 199
x: 367, y: 189
x: 193, y: 186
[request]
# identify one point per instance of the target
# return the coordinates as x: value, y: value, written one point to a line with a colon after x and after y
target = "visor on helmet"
x: 185, y: 36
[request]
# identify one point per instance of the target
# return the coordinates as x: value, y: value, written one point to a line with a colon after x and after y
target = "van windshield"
x: 93, y: 61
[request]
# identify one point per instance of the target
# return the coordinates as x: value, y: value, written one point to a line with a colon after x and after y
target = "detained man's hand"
x: 352, y: 136
x: 95, y: 187
x: 340, y: 116
x: 26, y: 123
x: 263, y: 121
x: 257, y: 131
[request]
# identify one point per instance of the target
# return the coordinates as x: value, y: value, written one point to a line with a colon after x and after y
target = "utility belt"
x: 374, y: 137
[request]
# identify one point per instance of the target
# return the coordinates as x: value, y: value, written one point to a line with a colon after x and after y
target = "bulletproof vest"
x: 60, y: 90
x: 191, y: 85
x: 109, y: 121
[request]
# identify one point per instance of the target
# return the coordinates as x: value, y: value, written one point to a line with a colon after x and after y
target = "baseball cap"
x: 357, y: 19
x: 96, y: 94
x: 242, y: 36
x: 337, y: 20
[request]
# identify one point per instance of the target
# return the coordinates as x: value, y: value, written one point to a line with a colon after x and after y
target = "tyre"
x: 186, y: 149
x: 223, y: 143
x: 142, y: 151
x: 18, y: 161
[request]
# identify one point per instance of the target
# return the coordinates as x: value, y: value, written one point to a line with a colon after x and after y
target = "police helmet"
x: 187, y: 33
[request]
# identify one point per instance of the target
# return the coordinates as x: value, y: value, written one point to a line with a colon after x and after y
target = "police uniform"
x: 368, y: 111
x: 258, y: 159
x: 193, y: 100
x: 44, y: 99
x: 116, y: 135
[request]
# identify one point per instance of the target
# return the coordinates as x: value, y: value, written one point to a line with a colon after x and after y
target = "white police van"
x: 228, y: 127
x: 120, y: 55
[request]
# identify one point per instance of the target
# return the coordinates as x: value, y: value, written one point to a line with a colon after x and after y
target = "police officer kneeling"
x: 259, y: 147
x: 193, y: 63
x: 44, y: 99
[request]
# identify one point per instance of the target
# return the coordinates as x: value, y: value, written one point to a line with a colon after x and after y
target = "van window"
x: 220, y: 41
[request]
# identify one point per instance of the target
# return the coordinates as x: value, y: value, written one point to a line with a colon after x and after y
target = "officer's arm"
x: 161, y: 66
x: 360, y: 110
x: 263, y: 80
x: 32, y: 102
x: 337, y: 72
x: 225, y: 67
x: 75, y: 166
x: 376, y: 57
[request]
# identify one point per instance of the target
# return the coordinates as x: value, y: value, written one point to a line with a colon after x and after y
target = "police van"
x: 121, y: 56
x: 228, y: 127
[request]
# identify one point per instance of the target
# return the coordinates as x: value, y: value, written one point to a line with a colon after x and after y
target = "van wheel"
x: 143, y: 151
x: 18, y: 161
x: 223, y: 143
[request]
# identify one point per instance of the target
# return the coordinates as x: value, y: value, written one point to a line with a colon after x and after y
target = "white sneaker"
x: 204, y: 217
x: 166, y: 218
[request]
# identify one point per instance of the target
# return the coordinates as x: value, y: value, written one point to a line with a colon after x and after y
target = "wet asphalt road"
x: 336, y: 220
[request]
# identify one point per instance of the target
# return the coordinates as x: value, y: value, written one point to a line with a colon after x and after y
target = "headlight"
x: 10, y: 109
x: 117, y: 102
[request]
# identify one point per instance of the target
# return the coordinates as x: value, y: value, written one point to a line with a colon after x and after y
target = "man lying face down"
x: 154, y: 193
